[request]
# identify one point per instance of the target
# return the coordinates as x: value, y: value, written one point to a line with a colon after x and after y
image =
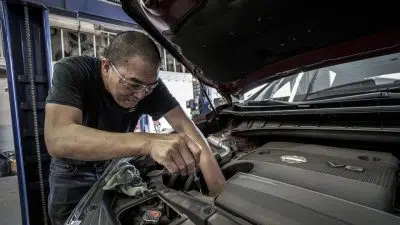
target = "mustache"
x: 130, y: 99
x: 134, y: 99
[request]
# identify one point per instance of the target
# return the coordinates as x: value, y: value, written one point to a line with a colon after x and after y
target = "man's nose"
x: 140, y: 94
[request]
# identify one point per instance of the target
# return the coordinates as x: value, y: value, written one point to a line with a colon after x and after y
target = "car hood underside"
x: 233, y: 45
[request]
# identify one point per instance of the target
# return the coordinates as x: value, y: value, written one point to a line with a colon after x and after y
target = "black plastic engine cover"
x: 264, y: 201
x: 370, y: 180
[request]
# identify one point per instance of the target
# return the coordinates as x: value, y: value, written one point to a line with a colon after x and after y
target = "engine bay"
x: 359, y: 180
x: 267, y: 182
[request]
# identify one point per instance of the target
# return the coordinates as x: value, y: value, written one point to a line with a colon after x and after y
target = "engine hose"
x: 35, y: 117
x: 219, y: 143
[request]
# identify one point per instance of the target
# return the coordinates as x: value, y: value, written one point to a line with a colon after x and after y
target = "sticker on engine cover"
x: 293, y: 159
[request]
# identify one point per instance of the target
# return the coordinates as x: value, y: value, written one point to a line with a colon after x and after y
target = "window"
x: 87, y: 47
x: 178, y: 67
x: 163, y: 58
x: 353, y: 77
x: 170, y: 63
x: 101, y: 44
x: 1, y: 43
x: 66, y: 42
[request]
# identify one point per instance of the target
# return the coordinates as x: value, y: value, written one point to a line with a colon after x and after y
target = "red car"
x: 316, y: 143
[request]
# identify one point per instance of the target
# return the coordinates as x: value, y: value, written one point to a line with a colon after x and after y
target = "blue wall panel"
x: 90, y: 9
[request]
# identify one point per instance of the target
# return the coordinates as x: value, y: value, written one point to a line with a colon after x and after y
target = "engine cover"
x: 364, y: 177
x: 264, y: 201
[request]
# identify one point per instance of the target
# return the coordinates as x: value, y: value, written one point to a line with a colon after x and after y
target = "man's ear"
x: 159, y: 68
x: 105, y: 66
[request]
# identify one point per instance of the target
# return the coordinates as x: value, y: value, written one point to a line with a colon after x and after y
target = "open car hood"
x: 234, y: 45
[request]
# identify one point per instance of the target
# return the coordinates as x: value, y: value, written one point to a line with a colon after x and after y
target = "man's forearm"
x: 208, y: 165
x: 84, y: 143
x: 212, y: 173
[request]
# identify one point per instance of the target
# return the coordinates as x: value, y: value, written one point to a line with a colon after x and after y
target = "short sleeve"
x: 67, y: 86
x: 159, y: 102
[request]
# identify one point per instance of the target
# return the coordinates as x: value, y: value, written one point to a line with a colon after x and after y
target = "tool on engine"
x: 197, y: 181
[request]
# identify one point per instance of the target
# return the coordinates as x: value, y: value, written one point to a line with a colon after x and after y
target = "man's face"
x: 131, y: 81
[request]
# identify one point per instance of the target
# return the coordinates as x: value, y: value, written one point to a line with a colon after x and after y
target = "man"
x: 92, y: 105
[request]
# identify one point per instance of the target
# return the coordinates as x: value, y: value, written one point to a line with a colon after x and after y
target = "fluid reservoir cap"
x: 151, y: 216
x: 293, y: 159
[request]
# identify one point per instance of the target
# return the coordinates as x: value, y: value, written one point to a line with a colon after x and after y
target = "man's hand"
x: 179, y: 153
x: 208, y: 164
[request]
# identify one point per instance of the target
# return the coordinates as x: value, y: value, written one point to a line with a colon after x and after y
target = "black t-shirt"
x: 77, y: 82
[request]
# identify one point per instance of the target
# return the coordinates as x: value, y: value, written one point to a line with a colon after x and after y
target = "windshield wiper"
x: 267, y: 102
x: 354, y: 88
x: 359, y: 96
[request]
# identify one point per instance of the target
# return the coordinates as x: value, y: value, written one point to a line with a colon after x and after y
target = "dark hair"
x: 132, y: 43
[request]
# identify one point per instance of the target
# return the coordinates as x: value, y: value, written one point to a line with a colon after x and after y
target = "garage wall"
x: 6, y: 136
x: 181, y: 87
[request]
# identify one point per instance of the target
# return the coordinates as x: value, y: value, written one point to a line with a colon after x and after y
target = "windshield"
x: 343, y: 79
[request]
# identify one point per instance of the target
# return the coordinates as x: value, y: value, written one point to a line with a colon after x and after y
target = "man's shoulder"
x: 76, y: 61
x: 81, y: 66
x: 73, y: 77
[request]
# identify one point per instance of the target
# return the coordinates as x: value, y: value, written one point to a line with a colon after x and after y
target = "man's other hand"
x: 179, y: 153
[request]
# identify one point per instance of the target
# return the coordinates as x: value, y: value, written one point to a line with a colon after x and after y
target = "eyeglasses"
x: 134, y: 86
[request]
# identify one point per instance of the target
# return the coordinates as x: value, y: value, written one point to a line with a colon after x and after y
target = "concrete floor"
x: 10, y: 211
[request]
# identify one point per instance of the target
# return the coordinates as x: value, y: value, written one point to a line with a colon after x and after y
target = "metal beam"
x: 98, y: 10
x: 12, y: 86
x: 26, y: 38
x: 94, y: 45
